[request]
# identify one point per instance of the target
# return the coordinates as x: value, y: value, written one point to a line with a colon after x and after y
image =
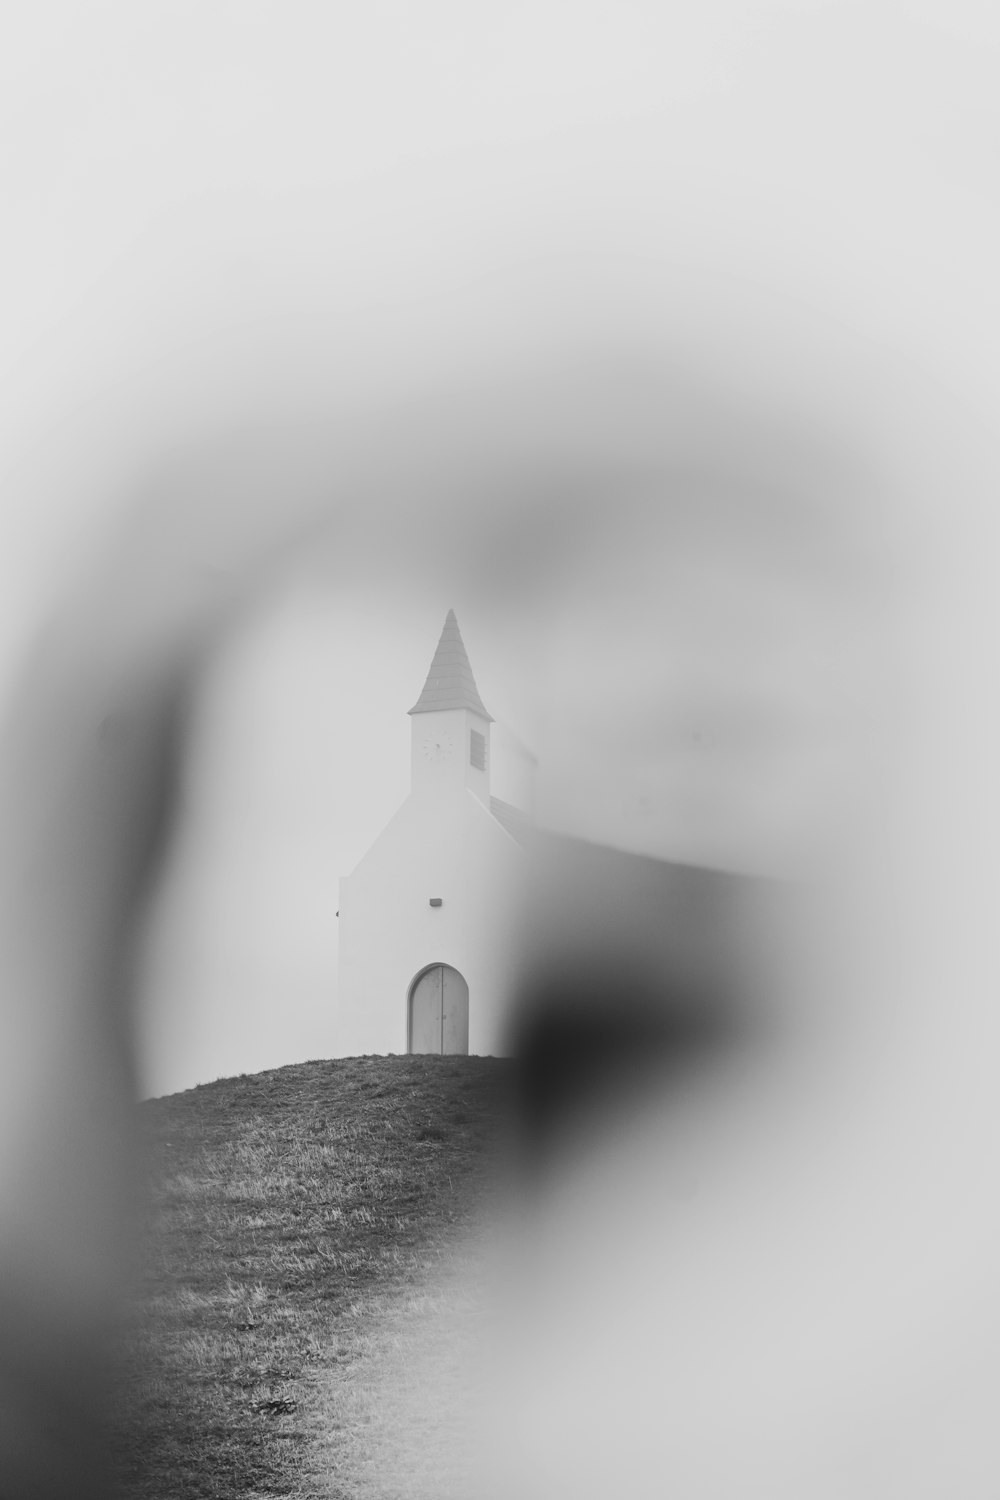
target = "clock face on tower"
x: 438, y: 746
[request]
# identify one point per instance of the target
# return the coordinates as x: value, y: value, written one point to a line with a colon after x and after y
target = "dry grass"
x: 299, y: 1222
x: 404, y: 1420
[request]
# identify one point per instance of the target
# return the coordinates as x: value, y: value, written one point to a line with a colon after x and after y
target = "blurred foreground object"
x: 810, y: 1157
x: 748, y: 561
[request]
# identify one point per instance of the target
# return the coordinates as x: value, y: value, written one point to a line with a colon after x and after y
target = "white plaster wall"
x: 456, y: 771
x: 514, y: 769
x: 442, y: 842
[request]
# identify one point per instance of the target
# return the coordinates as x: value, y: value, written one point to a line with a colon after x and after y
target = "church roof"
x: 450, y: 683
x: 517, y: 823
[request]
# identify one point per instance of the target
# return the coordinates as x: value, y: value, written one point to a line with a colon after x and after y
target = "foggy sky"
x: 227, y: 217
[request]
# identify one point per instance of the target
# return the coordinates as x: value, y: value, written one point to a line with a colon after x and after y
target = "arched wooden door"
x: 439, y: 1012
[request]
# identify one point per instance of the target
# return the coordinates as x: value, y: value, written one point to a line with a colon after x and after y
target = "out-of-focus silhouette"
x: 715, y: 446
x: 625, y: 978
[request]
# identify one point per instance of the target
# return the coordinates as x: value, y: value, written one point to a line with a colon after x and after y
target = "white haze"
x: 661, y: 344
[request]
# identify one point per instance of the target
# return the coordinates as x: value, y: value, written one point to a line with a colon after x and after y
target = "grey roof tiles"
x: 517, y: 823
x: 450, y: 683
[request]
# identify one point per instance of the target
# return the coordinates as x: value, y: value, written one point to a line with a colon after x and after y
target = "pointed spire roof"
x: 450, y: 683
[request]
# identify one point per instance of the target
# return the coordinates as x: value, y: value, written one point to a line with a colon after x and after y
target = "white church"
x: 429, y: 917
x: 462, y: 915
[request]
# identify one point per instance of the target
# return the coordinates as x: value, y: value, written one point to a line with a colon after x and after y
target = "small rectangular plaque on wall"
x: 436, y: 901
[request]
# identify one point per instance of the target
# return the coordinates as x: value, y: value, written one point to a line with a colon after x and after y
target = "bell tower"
x: 450, y: 726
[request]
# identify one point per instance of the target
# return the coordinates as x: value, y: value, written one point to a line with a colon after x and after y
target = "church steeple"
x: 450, y: 683
x: 450, y: 740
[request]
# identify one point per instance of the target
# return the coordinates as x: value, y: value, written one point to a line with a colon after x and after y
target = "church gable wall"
x: 446, y: 848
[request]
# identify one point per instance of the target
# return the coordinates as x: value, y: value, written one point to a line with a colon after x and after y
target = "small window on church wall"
x: 477, y: 749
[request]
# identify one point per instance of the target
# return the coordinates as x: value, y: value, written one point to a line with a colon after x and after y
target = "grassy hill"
x: 294, y: 1217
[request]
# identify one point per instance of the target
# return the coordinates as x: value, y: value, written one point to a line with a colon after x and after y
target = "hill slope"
x: 291, y: 1214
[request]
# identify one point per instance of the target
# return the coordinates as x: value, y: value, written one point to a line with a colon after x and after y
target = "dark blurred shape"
x: 631, y: 984
x: 601, y: 1041
x: 635, y: 970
